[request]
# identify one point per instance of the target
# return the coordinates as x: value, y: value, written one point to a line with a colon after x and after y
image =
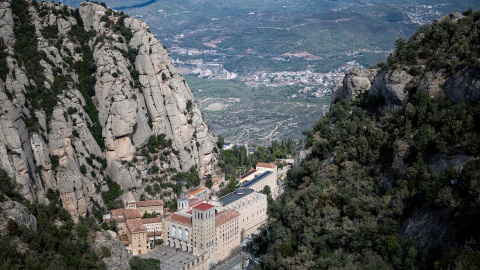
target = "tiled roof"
x: 203, y: 206
x: 181, y: 219
x: 126, y: 213
x: 194, y: 201
x: 150, y: 203
x: 198, y: 190
x: 151, y: 220
x: 118, y: 220
x: 117, y: 212
x: 225, y: 216
x: 135, y: 226
x: 248, y: 173
x: 216, y: 179
x: 131, y: 214
x: 267, y: 165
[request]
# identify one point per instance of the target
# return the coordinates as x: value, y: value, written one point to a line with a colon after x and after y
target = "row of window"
x: 174, y: 232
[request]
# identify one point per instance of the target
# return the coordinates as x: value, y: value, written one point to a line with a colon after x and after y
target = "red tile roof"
x: 225, y: 216
x: 267, y: 165
x: 132, y: 214
x: 126, y: 213
x: 117, y: 212
x: 135, y: 226
x: 216, y: 179
x: 181, y: 219
x: 118, y: 220
x: 248, y: 173
x: 150, y: 203
x: 151, y: 220
x: 198, y: 190
x: 203, y: 206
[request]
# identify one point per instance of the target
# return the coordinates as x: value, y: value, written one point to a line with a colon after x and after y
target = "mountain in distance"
x: 286, y: 54
x: 391, y: 179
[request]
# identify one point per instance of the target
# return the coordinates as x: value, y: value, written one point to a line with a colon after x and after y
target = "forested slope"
x: 393, y: 180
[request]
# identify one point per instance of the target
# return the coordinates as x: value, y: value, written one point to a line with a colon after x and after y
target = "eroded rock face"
x: 390, y: 85
x: 137, y: 92
x: 358, y: 80
x: 119, y: 258
x: 464, y: 85
x: 16, y: 211
x: 6, y: 21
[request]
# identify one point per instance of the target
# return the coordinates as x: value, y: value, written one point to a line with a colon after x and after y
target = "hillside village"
x: 204, y: 229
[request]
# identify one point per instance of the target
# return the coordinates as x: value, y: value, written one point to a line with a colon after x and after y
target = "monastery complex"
x: 209, y: 228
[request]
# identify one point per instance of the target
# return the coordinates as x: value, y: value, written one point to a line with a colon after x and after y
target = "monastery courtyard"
x: 170, y: 259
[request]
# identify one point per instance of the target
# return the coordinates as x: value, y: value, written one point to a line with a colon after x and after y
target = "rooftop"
x: 267, y: 165
x: 132, y: 213
x: 225, y: 216
x: 203, y: 207
x: 256, y: 179
x: 150, y: 203
x: 198, y: 190
x: 151, y: 220
x: 181, y: 219
x: 236, y: 195
x: 135, y: 226
x: 252, y: 171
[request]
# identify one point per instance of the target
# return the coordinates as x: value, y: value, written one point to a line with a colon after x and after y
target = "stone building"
x: 137, y: 237
x: 153, y: 206
x: 227, y: 234
x: 251, y: 205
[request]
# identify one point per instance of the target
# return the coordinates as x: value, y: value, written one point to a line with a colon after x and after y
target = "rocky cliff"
x: 82, y: 93
x: 428, y: 62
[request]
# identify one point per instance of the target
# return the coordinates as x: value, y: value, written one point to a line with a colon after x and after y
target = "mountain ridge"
x: 90, y: 96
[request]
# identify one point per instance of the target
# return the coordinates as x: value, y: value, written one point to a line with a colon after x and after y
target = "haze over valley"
x: 289, y: 54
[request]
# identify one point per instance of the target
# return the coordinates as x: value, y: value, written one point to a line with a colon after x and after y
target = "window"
x: 173, y: 231
x: 179, y: 232
x: 186, y: 235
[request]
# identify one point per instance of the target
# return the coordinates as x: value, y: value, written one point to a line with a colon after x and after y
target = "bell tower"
x: 182, y: 201
x: 203, y: 221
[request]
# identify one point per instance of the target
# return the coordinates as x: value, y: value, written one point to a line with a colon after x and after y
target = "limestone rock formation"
x: 356, y: 81
x: 16, y: 211
x: 119, y: 258
x: 108, y: 88
x: 390, y: 85
x: 464, y: 85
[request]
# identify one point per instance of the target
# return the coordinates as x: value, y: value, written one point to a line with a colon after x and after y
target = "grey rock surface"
x: 390, y: 85
x: 356, y: 81
x: 464, y: 85
x: 16, y: 211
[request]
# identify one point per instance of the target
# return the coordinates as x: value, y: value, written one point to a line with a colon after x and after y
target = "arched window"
x: 180, y: 246
x: 173, y: 244
x: 168, y: 242
x: 174, y: 230
x: 179, y: 232
x: 186, y: 235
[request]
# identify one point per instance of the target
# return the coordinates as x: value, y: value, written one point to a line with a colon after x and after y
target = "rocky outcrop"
x: 138, y: 95
x: 16, y: 211
x: 432, y: 82
x: 357, y: 81
x: 430, y: 229
x: 119, y: 258
x: 6, y: 22
x: 463, y: 86
x: 390, y: 85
